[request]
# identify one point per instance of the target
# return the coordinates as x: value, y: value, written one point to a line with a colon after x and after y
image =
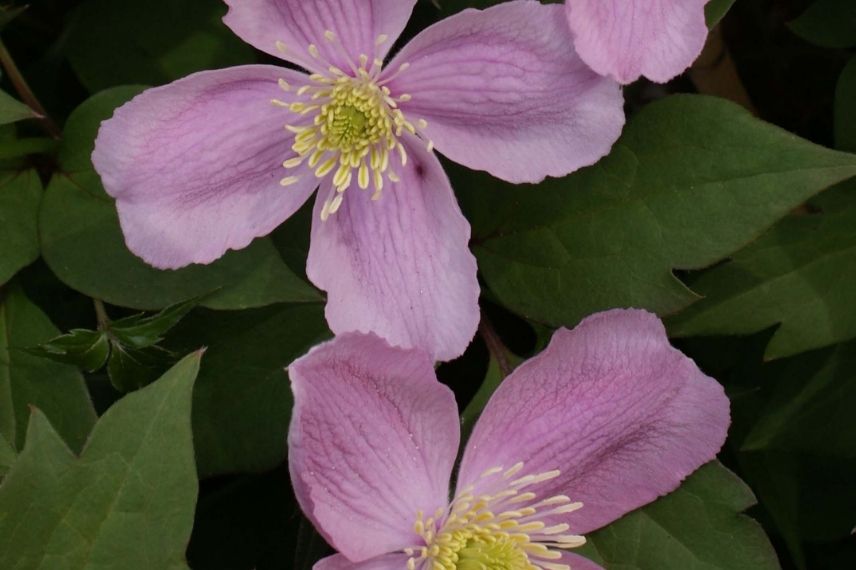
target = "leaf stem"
x: 502, y: 363
x: 495, y: 346
x: 101, y: 315
x: 26, y: 94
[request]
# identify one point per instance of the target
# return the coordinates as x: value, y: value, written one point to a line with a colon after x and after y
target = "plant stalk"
x: 26, y: 94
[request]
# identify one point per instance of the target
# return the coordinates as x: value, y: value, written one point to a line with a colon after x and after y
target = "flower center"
x: 348, y: 123
x: 501, y: 530
x: 479, y: 548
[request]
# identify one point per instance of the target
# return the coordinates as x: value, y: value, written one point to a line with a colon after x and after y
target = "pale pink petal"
x: 628, y: 38
x: 372, y: 441
x: 503, y: 91
x: 195, y: 166
x: 623, y: 415
x: 356, y: 24
x: 388, y: 562
x: 575, y: 561
x: 399, y: 267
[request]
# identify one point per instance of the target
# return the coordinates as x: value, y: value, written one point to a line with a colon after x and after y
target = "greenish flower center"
x: 347, y: 124
x: 496, y: 553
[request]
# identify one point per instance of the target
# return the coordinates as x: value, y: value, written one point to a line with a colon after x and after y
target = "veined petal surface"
x: 622, y: 414
x: 195, y: 166
x: 399, y: 266
x: 503, y: 91
x: 387, y: 562
x: 356, y: 24
x: 372, y: 441
x: 626, y: 39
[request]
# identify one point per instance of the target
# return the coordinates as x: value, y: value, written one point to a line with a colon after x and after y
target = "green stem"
x: 26, y: 94
x: 101, y: 315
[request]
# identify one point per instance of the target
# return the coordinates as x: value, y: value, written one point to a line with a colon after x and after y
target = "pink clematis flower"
x: 204, y: 164
x: 629, y: 38
x: 608, y: 418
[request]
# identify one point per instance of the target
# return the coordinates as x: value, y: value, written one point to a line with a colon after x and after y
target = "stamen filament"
x: 353, y: 123
x: 476, y: 532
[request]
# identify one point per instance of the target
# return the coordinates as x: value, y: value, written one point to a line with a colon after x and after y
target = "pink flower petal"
x: 502, y: 92
x: 195, y: 166
x: 575, y: 561
x: 628, y: 38
x: 372, y: 441
x: 611, y: 404
x: 399, y: 266
x: 299, y: 23
x: 388, y: 562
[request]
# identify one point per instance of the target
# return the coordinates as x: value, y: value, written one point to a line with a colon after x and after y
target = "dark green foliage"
x: 828, y: 23
x: 691, y: 180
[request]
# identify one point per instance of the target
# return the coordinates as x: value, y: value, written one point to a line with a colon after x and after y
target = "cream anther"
x: 352, y: 124
x: 505, y: 529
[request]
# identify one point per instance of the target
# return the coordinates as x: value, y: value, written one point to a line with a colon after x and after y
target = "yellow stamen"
x: 352, y: 122
x: 484, y: 531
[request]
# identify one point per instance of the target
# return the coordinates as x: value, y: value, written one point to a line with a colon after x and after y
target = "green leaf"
x: 828, y: 23
x: 128, y: 346
x: 83, y: 348
x: 692, y: 179
x: 17, y: 148
x: 83, y: 244
x: 270, y: 281
x: 7, y: 456
x: 128, y: 499
x: 27, y: 380
x: 845, y: 108
x: 154, y: 42
x: 131, y: 369
x: 242, y: 403
x: 697, y: 527
x: 809, y: 404
x: 20, y: 195
x: 143, y: 331
x: 12, y: 110
x: 800, y: 453
x: 715, y: 11
x: 799, y: 275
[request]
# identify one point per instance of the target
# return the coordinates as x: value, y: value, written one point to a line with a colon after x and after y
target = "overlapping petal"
x: 195, y: 165
x: 399, y: 266
x: 575, y: 561
x: 299, y: 23
x: 388, y: 562
x: 611, y: 404
x: 503, y: 91
x: 629, y: 38
x: 372, y: 441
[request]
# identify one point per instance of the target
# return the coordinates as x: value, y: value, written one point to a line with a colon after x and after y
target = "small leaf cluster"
x: 128, y: 346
